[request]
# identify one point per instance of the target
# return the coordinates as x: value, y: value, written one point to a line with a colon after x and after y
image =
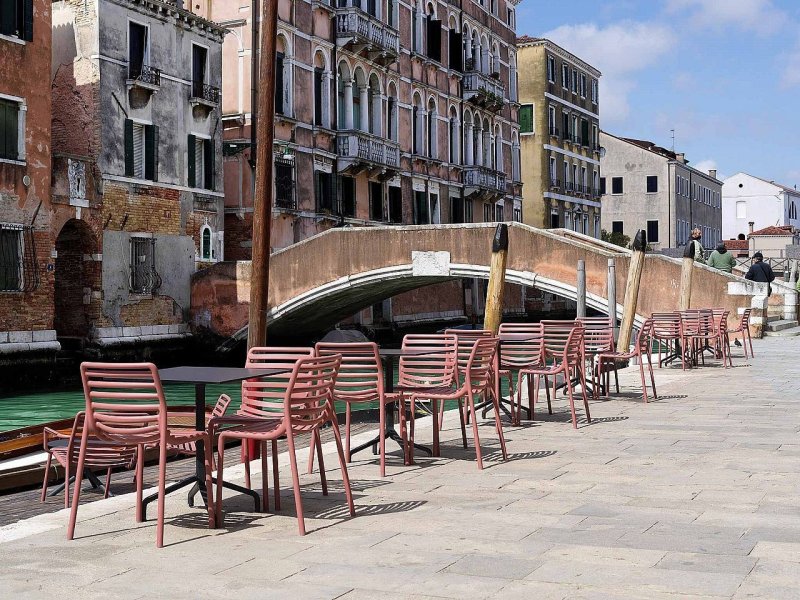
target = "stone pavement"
x: 691, y: 496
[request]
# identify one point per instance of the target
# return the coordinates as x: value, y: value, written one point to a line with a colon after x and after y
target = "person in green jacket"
x: 722, y: 259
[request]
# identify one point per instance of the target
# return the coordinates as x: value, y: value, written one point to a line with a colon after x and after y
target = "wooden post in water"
x: 632, y: 290
x: 687, y: 269
x: 581, y: 312
x: 497, y: 278
x: 262, y: 203
x: 612, y: 295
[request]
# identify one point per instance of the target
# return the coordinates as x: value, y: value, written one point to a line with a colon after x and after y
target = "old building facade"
x: 137, y: 166
x: 750, y: 202
x: 386, y: 113
x: 645, y: 186
x: 559, y: 132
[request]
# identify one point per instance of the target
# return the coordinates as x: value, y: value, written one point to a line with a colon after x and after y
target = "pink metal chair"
x: 125, y: 405
x: 428, y: 364
x: 465, y: 340
x: 667, y: 331
x: 722, y: 343
x: 641, y: 351
x: 269, y: 390
x: 360, y: 381
x: 190, y: 448
x: 698, y: 333
x: 744, y: 329
x: 101, y: 455
x: 564, y: 355
x: 598, y: 338
x: 477, y: 381
x: 307, y: 405
x: 521, y: 347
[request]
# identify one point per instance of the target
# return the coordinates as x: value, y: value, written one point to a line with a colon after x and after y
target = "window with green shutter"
x: 526, y: 118
x: 16, y: 19
x: 9, y: 129
x: 191, y: 161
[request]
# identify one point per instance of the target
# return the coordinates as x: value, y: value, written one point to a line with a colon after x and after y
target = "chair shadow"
x: 496, y: 455
x: 584, y: 421
x: 339, y: 512
x: 670, y: 397
x: 337, y: 485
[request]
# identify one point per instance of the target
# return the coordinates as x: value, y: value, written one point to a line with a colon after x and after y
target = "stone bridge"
x: 328, y: 277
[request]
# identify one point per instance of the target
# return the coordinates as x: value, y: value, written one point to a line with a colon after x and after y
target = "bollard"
x: 632, y: 290
x: 612, y: 295
x: 497, y: 278
x: 581, y: 288
x: 687, y: 269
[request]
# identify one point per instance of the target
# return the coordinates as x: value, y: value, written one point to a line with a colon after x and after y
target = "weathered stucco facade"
x: 413, y: 123
x: 137, y: 165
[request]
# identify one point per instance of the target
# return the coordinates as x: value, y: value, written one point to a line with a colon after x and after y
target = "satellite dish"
x: 602, y: 151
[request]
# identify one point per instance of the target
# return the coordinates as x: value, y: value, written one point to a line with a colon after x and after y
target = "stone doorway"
x: 77, y: 274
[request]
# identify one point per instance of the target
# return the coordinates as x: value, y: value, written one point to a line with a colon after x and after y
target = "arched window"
x: 515, y: 159
x: 495, y: 60
x: 416, y: 27
x: 487, y: 144
x: 360, y: 100
x: 391, y: 113
x: 477, y: 142
x: 454, y: 136
x: 322, y: 94
x: 375, y: 105
x: 469, y: 144
x: 417, y: 124
x: 433, y: 121
x: 283, y: 77
x: 498, y: 148
x: 485, y: 49
x: 206, y: 251
x: 512, y: 76
x: 344, y: 93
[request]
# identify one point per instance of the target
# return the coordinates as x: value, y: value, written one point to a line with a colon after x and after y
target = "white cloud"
x: 759, y: 16
x: 791, y: 69
x: 708, y: 164
x: 619, y: 51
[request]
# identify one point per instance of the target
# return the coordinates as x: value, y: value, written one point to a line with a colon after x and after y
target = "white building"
x: 748, y: 199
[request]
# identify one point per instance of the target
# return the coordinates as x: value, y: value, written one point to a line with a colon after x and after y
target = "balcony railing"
x: 147, y: 75
x: 482, y: 89
x: 359, y: 146
x: 555, y: 183
x: 554, y: 131
x: 362, y: 32
x: 205, y: 92
x: 484, y: 178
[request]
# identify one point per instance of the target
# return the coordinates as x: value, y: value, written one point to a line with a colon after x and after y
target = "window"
x: 391, y: 118
x: 201, y: 162
x: 433, y: 136
x: 565, y: 77
x: 595, y: 145
x: 741, y: 209
x: 11, y: 253
x: 565, y: 133
x: 616, y: 185
x: 584, y: 180
x: 141, y: 151
x: 347, y: 189
x: 526, y: 118
x: 583, y: 86
x: 455, y: 48
x: 319, y: 80
x: 567, y: 220
x: 499, y: 213
x: 584, y: 132
x: 652, y: 184
x: 434, y: 37
x: 199, y: 70
x: 551, y: 120
x: 652, y: 232
x: 144, y: 278
x: 375, y: 201
x: 553, y: 173
x: 395, y: 204
x: 554, y: 221
x: 280, y: 76
x: 602, y: 185
x: 284, y: 184
x: 594, y: 91
x: 616, y: 226
x: 16, y: 19
x: 138, y: 50
x: 517, y: 214
x: 10, y: 138
x: 574, y: 81
x: 323, y: 190
x: 512, y: 18
x: 551, y: 69
x: 567, y: 181
x: 792, y: 210
x: 456, y: 209
x: 421, y: 212
x: 206, y: 250
x: 468, y: 216
x: 488, y: 213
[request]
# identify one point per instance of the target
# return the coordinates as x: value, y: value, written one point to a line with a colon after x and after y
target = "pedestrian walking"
x: 761, y: 272
x: 695, y: 246
x: 721, y: 259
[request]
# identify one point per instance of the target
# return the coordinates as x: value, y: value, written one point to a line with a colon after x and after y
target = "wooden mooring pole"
x: 632, y: 290
x: 497, y: 278
x: 687, y: 269
x: 612, y: 295
x: 581, y: 311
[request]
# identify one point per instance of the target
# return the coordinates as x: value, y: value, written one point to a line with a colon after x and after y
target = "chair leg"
x: 750, y: 340
x: 471, y: 403
x: 311, y: 452
x: 345, y: 477
x: 348, y: 417
x: 66, y: 483
x: 162, y: 483
x: 644, y: 385
x: 582, y: 376
x: 264, y: 478
x: 275, y: 475
x: 246, y: 460
x: 441, y: 416
x: 435, y: 417
x: 139, y: 483
x: 73, y: 515
x: 412, y: 405
x: 382, y: 435
x: 108, y: 483
x: 323, y: 479
x: 298, y: 500
x: 220, y: 519
x: 652, y: 379
x: 499, y: 427
x: 46, y: 476
x: 571, y: 400
x: 209, y: 482
x: 463, y: 422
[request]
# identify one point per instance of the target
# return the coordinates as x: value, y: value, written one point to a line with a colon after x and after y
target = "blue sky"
x: 725, y: 74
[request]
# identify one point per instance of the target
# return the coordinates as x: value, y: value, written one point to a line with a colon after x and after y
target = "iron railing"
x: 145, y: 280
x: 206, y: 92
x: 555, y: 183
x: 19, y: 271
x: 147, y: 74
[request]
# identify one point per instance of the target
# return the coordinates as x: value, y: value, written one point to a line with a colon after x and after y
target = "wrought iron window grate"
x: 19, y: 271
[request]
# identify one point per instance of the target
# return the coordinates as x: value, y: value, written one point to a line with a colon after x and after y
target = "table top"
x: 213, y: 374
x: 390, y: 352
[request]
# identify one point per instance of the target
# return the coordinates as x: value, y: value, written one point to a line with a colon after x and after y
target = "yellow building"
x: 559, y: 137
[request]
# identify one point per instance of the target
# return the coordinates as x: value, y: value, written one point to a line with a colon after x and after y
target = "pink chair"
x: 125, y: 405
x: 598, y: 338
x: 465, y: 340
x: 100, y: 455
x: 477, y: 382
x: 360, y: 382
x: 521, y: 347
x: 744, y: 329
x: 667, y: 332
x: 641, y: 350
x: 307, y: 405
x: 722, y: 343
x: 190, y: 448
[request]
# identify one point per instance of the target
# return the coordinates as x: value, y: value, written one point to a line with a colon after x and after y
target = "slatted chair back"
x: 360, y: 373
x: 522, y: 345
x: 480, y: 364
x: 720, y: 319
x: 744, y: 321
x: 99, y: 454
x: 598, y: 334
x: 556, y: 334
x: 434, y: 366
x: 465, y: 341
x: 574, y: 347
x: 308, y: 402
x: 644, y: 338
x: 125, y: 402
x: 264, y: 397
x: 667, y: 326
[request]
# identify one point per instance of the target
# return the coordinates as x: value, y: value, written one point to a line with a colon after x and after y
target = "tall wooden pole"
x: 262, y: 204
x: 612, y: 295
x: 497, y: 278
x: 632, y: 290
x: 581, y: 311
x: 687, y: 269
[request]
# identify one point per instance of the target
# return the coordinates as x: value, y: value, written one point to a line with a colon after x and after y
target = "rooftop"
x: 775, y: 230
x: 528, y: 41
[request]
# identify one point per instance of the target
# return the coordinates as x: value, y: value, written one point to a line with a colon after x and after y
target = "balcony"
x: 484, y: 182
x: 482, y: 89
x: 360, y: 151
x: 555, y: 184
x: 364, y: 34
x: 205, y: 95
x: 146, y: 78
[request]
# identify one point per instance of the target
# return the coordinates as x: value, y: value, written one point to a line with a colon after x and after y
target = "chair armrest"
x: 215, y: 423
x: 51, y: 434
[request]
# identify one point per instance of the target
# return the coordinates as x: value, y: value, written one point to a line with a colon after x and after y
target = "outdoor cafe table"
x: 200, y: 377
x: 388, y: 356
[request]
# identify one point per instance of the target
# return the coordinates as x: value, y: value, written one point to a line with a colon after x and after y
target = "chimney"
x: 712, y: 173
x: 179, y: 3
x: 681, y: 158
x: 750, y: 226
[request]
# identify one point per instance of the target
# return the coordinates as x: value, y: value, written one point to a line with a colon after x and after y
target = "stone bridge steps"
x: 782, y: 328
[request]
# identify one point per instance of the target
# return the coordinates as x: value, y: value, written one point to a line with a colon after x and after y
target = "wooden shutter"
x: 9, y: 130
x: 526, y: 118
x: 27, y: 20
x: 192, y: 160
x: 151, y: 152
x: 208, y: 159
x: 585, y: 132
x: 279, y: 95
x: 455, y: 46
x: 435, y: 39
x: 129, y: 165
x: 318, y: 91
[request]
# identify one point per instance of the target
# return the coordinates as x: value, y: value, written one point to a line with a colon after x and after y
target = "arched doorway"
x: 75, y: 278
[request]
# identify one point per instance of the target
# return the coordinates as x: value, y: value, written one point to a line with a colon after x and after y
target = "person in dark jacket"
x: 761, y: 272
